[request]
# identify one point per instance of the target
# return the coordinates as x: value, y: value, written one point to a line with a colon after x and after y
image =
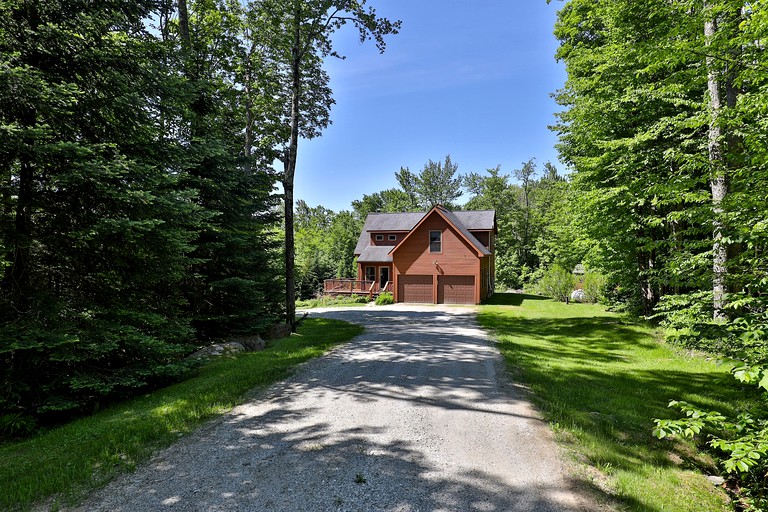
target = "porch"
x: 355, y: 286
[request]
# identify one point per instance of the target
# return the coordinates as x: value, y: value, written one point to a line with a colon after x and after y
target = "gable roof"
x: 471, y: 220
x: 451, y: 219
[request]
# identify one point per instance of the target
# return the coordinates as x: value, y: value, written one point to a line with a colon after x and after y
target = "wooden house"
x: 439, y: 257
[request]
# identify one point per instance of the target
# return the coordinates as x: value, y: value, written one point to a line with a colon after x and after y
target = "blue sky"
x: 469, y: 79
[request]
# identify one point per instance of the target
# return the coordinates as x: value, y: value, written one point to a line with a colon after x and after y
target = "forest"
x: 148, y: 151
x: 147, y: 154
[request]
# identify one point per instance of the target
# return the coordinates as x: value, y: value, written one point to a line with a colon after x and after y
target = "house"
x: 435, y: 257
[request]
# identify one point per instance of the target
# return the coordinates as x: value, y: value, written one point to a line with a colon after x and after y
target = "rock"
x: 219, y: 349
x: 278, y: 331
x: 251, y: 343
x: 578, y: 296
x: 716, y: 480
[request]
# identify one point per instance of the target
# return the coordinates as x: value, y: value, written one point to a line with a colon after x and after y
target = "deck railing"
x: 348, y: 286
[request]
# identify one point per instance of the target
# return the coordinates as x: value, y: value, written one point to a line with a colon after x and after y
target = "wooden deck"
x: 355, y: 287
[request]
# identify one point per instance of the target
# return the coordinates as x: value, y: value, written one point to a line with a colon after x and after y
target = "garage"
x: 415, y: 289
x: 456, y: 289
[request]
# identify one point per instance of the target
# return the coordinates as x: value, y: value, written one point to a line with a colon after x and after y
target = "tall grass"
x: 600, y: 379
x: 65, y: 463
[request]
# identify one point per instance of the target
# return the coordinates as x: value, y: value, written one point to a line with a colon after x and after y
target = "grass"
x: 600, y: 379
x: 329, y: 301
x: 64, y: 464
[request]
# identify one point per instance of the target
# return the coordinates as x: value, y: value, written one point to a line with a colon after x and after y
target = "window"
x: 370, y: 273
x: 379, y: 238
x: 435, y: 241
x: 392, y: 238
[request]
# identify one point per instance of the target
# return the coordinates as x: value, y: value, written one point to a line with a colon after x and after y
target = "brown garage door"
x: 456, y: 289
x: 415, y: 289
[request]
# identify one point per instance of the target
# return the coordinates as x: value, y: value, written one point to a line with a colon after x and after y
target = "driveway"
x: 414, y: 415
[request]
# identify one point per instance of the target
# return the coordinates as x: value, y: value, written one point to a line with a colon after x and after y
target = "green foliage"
x: 325, y: 247
x: 536, y: 226
x: 740, y: 439
x: 330, y: 301
x: 131, y: 219
x: 384, y: 299
x: 557, y: 283
x: 16, y: 424
x: 593, y: 284
x: 437, y: 183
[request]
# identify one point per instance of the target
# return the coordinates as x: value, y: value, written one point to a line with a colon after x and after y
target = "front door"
x: 383, y: 277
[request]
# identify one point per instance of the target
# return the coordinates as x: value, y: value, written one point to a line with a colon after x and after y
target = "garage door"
x: 456, y: 289
x: 415, y: 289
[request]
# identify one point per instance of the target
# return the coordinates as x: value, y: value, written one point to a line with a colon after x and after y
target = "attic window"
x: 435, y: 241
x: 379, y: 238
x: 392, y: 238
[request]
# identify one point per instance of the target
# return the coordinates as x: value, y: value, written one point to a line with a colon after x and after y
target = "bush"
x: 740, y: 441
x: 384, y: 299
x: 557, y: 283
x: 593, y: 285
x: 328, y: 300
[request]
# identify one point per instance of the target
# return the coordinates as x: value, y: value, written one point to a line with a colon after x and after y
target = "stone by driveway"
x: 413, y: 415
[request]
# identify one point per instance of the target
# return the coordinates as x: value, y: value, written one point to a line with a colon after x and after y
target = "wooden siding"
x: 457, y: 257
x: 386, y: 241
x: 484, y: 237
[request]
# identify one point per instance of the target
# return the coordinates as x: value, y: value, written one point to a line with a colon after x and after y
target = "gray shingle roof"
x: 477, y: 220
x: 474, y: 220
x: 464, y: 231
x: 375, y: 254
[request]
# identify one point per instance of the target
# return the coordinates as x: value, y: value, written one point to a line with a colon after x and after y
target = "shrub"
x: 557, y: 283
x: 384, y: 299
x: 327, y: 300
x: 740, y: 441
x: 593, y: 285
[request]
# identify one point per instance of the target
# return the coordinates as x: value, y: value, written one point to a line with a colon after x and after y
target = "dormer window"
x: 435, y: 241
x: 392, y: 238
x: 379, y: 238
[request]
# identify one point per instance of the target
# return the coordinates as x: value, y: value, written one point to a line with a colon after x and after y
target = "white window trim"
x: 392, y: 238
x: 379, y: 238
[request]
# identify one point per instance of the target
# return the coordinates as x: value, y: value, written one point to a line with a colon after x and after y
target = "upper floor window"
x: 392, y: 238
x: 379, y: 238
x: 435, y: 241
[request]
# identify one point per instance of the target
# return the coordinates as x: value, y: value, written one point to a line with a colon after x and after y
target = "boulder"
x: 251, y: 343
x: 278, y: 331
x: 578, y: 296
x: 219, y: 349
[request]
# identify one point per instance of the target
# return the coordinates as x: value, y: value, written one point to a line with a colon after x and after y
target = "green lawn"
x: 600, y: 379
x: 69, y: 461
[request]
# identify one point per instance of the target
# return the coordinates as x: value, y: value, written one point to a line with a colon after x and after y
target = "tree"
x: 437, y: 183
x: 301, y: 32
x: 97, y: 231
x: 230, y: 289
x: 391, y: 200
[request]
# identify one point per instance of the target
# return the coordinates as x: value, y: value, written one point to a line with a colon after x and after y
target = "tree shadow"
x: 319, y: 441
x: 511, y: 299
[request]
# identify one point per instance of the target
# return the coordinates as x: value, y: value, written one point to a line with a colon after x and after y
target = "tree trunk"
x: 290, y: 172
x: 650, y: 295
x: 718, y: 182
x: 184, y: 23
x: 19, y: 270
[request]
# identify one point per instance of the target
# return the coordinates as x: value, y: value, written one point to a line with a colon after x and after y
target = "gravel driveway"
x: 413, y: 415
